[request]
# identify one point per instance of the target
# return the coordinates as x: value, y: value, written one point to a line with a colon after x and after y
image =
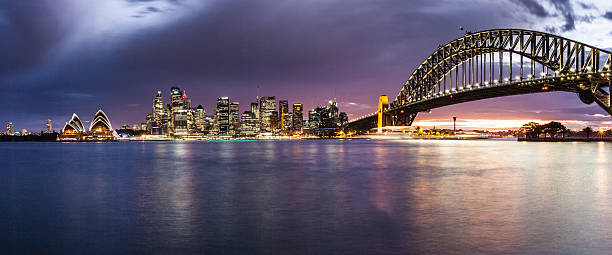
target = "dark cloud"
x: 534, y: 7
x: 566, y: 9
x: 306, y: 51
x: 607, y: 15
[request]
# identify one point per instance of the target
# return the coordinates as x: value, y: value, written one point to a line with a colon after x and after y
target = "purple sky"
x: 63, y: 56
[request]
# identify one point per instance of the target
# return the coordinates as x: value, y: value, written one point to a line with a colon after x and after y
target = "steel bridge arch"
x: 567, y: 65
x: 544, y: 48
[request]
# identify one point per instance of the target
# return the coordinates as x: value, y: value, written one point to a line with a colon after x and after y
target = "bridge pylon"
x: 384, y: 119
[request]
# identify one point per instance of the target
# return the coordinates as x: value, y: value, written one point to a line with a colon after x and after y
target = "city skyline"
x: 114, y: 65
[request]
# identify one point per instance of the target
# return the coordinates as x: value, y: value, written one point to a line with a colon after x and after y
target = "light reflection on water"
x: 321, y: 196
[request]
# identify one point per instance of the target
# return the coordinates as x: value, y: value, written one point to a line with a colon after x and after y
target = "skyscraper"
x: 223, y: 115
x: 283, y: 115
x: 267, y: 106
x: 234, y: 111
x: 48, y: 127
x: 9, y: 129
x: 298, y: 117
x: 176, y: 98
x: 158, y: 106
x: 249, y: 125
x: 200, y: 118
x: 255, y: 109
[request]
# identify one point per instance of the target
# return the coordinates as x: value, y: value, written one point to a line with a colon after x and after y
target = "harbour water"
x: 306, y: 197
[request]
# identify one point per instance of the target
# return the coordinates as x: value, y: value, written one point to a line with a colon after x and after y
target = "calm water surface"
x: 306, y: 197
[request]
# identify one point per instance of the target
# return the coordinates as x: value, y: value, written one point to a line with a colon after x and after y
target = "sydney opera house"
x: 100, y: 129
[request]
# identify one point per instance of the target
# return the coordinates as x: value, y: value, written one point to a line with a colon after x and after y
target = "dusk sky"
x: 63, y: 56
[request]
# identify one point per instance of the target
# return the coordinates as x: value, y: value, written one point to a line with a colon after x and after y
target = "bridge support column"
x: 383, y: 118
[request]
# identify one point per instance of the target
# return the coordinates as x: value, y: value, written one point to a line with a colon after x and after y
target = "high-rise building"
x: 200, y: 118
x: 48, y: 127
x: 234, y: 111
x: 274, y: 122
x: 283, y: 115
x: 158, y: 106
x: 10, y: 129
x: 267, y: 106
x: 255, y: 109
x: 223, y: 115
x: 298, y: 117
x: 176, y: 98
x: 249, y: 125
x: 181, y: 119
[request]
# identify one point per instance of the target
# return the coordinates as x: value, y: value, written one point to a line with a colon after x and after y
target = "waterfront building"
x: 10, y: 129
x: 223, y: 116
x: 249, y: 125
x: 297, y: 117
x: 234, y: 118
x: 100, y: 128
x: 24, y: 132
x: 48, y: 127
x: 343, y: 119
x: 267, y: 107
x: 73, y: 129
x: 180, y: 123
x: 283, y: 114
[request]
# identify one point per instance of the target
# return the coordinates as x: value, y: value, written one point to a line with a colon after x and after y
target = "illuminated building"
x: 176, y: 104
x: 267, y: 107
x: 223, y: 115
x: 48, y: 127
x: 343, y: 118
x: 73, y: 130
x: 274, y: 122
x: 234, y: 118
x: 101, y: 129
x: 249, y: 124
x: 255, y: 109
x: 158, y: 106
x: 200, y: 118
x: 181, y: 118
x: 9, y: 129
x: 24, y: 132
x: 283, y: 114
x: 298, y: 117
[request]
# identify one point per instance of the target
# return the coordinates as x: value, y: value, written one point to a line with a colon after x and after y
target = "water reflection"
x: 342, y: 197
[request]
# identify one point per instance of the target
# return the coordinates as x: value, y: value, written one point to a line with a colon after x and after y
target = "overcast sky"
x: 63, y: 56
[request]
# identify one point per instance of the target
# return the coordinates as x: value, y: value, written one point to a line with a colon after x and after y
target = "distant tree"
x: 587, y: 131
x: 531, y: 129
x: 608, y: 133
x: 554, y: 128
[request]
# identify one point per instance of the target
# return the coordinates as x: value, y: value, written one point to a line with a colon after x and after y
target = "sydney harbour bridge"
x: 496, y: 63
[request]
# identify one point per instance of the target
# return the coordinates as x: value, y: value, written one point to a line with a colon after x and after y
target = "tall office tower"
x: 234, y: 111
x: 255, y: 109
x: 342, y: 118
x: 158, y: 106
x: 298, y: 117
x: 186, y: 100
x: 314, y: 118
x: 9, y: 129
x: 274, y: 122
x: 200, y: 118
x: 249, y: 125
x: 223, y: 115
x: 267, y: 105
x: 48, y: 127
x: 333, y: 112
x: 176, y: 104
x: 181, y: 122
x: 176, y: 98
x: 283, y: 115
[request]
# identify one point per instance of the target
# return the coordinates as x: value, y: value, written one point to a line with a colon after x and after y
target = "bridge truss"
x: 502, y: 62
